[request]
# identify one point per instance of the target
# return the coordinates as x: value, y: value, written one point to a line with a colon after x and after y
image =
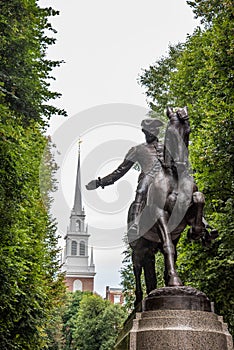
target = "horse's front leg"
x: 137, y: 269
x: 169, y: 251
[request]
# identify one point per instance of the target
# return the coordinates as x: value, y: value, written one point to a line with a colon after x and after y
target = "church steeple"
x: 77, y: 207
x: 79, y: 274
x: 77, y: 218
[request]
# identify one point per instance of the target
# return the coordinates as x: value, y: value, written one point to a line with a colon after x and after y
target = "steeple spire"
x: 77, y: 208
x: 79, y: 273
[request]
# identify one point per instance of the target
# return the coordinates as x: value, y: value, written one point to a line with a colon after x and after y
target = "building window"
x: 74, y: 248
x: 77, y: 225
x: 82, y: 248
x: 116, y: 299
x: 77, y: 285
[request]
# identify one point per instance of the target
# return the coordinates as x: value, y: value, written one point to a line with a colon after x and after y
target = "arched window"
x: 73, y: 248
x: 82, y: 248
x: 77, y: 225
x: 77, y: 285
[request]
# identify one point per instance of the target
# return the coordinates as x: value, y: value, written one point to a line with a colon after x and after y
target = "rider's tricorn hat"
x: 151, y: 125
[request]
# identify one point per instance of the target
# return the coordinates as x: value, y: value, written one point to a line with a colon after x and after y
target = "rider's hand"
x: 92, y: 185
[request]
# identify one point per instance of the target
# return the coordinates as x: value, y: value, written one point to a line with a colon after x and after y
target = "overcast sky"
x: 105, y: 45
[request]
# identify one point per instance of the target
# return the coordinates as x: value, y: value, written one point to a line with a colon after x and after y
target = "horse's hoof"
x: 210, y: 236
x: 194, y: 233
x: 174, y: 281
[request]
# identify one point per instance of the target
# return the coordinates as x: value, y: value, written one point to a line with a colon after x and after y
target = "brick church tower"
x: 79, y: 269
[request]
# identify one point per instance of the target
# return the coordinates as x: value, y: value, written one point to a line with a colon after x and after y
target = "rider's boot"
x: 133, y: 232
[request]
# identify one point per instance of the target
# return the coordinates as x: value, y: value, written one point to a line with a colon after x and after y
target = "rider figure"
x: 147, y: 155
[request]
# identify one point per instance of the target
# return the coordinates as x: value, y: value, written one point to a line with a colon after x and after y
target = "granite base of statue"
x: 175, y: 318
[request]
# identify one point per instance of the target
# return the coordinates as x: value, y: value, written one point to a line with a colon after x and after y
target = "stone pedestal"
x: 179, y: 330
x: 175, y: 318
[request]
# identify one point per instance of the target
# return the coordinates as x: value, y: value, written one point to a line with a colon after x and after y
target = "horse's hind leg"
x: 137, y: 269
x: 149, y: 271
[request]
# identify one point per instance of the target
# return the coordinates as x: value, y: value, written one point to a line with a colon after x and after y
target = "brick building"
x: 115, y: 295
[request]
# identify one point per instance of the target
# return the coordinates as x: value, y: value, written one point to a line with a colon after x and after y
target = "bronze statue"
x: 146, y: 154
x: 167, y: 199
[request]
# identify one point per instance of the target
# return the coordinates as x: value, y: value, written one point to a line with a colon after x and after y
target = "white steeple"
x: 77, y: 207
x: 79, y: 274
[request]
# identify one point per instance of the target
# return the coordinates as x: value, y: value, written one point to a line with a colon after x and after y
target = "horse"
x: 173, y: 202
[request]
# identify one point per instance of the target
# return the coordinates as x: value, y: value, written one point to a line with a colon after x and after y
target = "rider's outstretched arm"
x: 111, y: 178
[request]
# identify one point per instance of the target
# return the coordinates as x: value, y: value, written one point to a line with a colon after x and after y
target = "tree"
x: 69, y: 316
x: 25, y: 70
x: 86, y: 321
x: 201, y: 78
x: 98, y: 323
x: 31, y: 288
x: 128, y: 280
x: 156, y: 80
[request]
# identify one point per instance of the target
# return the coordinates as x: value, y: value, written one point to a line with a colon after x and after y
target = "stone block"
x: 175, y: 318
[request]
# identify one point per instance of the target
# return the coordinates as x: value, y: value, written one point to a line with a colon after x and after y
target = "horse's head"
x: 177, y: 137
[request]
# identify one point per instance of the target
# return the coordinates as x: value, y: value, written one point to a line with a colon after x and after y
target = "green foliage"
x: 54, y: 330
x: 200, y: 75
x: 98, y: 323
x: 28, y: 250
x: 30, y: 288
x: 86, y: 321
x: 209, y: 10
x: 211, y: 269
x: 24, y: 68
x: 128, y: 280
x: 69, y: 316
x: 156, y: 80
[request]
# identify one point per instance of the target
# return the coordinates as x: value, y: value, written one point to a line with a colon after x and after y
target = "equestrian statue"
x: 166, y: 201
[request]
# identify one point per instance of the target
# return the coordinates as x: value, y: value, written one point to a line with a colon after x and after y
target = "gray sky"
x: 105, y: 45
